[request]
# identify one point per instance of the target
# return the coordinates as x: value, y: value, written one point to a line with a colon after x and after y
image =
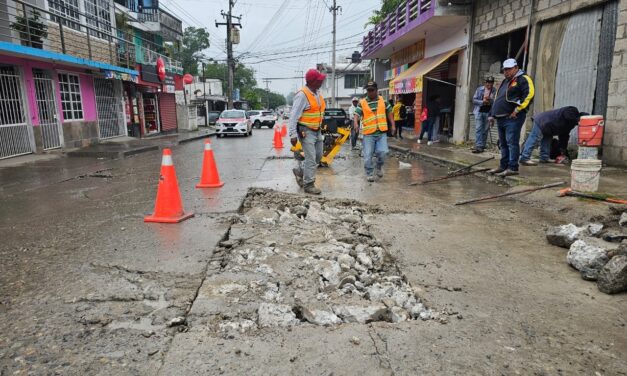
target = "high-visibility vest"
x: 372, y: 122
x: 312, y: 118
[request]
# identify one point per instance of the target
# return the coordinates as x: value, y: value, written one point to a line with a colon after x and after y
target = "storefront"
x: 150, y: 105
x: 427, y: 78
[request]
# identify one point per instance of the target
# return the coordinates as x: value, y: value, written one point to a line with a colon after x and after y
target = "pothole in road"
x: 290, y: 260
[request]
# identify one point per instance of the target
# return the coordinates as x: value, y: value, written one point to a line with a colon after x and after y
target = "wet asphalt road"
x: 86, y: 287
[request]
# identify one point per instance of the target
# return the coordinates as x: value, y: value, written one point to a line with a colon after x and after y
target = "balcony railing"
x: 81, y: 36
x: 410, y: 13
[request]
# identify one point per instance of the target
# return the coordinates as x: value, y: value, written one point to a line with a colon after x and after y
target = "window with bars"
x: 70, y: 96
x: 352, y: 81
x: 69, y: 9
x: 98, y: 16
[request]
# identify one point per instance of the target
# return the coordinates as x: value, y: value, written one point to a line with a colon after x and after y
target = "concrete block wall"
x: 78, y: 134
x: 497, y: 17
x: 76, y: 45
x: 615, y: 139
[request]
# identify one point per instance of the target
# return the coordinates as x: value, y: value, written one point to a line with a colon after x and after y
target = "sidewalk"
x: 122, y: 147
x: 613, y: 180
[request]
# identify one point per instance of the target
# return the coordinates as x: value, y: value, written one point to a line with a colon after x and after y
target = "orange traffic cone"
x: 168, y: 206
x: 284, y: 130
x: 209, y: 178
x: 278, y: 141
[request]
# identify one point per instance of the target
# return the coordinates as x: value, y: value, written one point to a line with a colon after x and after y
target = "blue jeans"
x: 509, y: 139
x: 312, y: 147
x: 374, y: 144
x: 535, y: 136
x: 427, y: 127
x: 481, y: 130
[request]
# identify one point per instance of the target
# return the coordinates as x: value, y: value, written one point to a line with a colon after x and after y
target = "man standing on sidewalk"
x: 510, y: 110
x: 373, y: 112
x: 304, y: 126
x: 483, y: 99
x: 351, y: 116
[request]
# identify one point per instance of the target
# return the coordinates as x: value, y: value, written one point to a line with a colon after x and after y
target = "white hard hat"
x: 355, y: 99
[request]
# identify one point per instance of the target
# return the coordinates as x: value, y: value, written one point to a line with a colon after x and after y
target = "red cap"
x: 314, y: 75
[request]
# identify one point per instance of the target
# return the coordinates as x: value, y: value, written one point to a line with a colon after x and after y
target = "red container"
x: 590, y: 131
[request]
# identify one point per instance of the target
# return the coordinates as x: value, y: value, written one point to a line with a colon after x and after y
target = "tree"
x: 243, y: 78
x: 195, y: 40
x: 387, y: 7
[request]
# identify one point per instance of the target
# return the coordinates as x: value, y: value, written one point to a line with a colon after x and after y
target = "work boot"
x: 547, y: 160
x: 497, y: 170
x: 507, y: 172
x: 528, y: 162
x: 380, y: 173
x: 298, y: 174
x: 477, y: 150
x: 370, y: 178
x: 311, y: 189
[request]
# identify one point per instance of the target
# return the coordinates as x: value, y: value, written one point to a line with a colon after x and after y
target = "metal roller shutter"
x: 167, y: 112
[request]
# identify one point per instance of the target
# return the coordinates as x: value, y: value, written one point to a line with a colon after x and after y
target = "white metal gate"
x: 15, y: 138
x: 110, y: 110
x: 51, y: 131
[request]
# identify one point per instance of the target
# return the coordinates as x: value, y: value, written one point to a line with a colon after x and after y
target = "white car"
x: 234, y: 122
x: 259, y: 118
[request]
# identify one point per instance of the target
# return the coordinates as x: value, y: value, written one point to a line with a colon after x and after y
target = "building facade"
x: 64, y: 68
x: 575, y: 50
x: 420, y: 51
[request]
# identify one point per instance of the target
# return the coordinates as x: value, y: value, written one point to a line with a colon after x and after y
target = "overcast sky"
x: 280, y: 38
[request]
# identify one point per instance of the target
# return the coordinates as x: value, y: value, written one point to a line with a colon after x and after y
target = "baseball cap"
x: 355, y: 99
x: 509, y: 63
x: 371, y: 84
x: 314, y: 75
x: 489, y: 79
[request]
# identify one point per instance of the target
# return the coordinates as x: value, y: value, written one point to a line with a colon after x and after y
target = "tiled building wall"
x: 615, y: 140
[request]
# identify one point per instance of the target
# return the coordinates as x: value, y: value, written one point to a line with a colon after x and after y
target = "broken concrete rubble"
x: 585, y: 256
x: 307, y: 261
x: 564, y: 236
x: 276, y: 315
x: 623, y: 220
x: 612, y: 278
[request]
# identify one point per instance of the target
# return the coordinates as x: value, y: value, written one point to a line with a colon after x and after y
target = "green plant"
x: 32, y: 30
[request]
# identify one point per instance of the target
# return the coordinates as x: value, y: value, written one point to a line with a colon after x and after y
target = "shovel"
x: 570, y: 192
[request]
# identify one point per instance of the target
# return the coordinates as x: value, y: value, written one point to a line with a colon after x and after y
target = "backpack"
x: 403, y: 112
x: 424, y: 114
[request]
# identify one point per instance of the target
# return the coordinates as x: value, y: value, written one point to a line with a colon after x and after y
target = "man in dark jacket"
x: 546, y: 125
x: 510, y: 110
x: 433, y: 111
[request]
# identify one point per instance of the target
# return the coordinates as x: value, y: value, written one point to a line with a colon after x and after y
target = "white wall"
x: 445, y: 39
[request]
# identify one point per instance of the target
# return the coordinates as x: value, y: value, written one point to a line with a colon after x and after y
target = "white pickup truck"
x: 259, y: 118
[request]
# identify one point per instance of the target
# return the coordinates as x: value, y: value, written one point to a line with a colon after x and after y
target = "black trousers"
x: 399, y: 127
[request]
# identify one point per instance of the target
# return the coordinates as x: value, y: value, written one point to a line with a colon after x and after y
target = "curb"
x: 195, y: 138
x: 511, y: 181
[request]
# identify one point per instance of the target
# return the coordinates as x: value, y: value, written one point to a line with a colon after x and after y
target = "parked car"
x: 336, y: 117
x: 260, y: 118
x: 212, y: 117
x: 234, y: 122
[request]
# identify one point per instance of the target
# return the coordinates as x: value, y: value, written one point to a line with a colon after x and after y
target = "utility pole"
x: 334, y: 10
x: 267, y: 81
x: 229, y: 48
x: 204, y: 94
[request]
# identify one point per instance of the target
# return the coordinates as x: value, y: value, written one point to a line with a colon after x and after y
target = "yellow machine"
x: 334, y: 138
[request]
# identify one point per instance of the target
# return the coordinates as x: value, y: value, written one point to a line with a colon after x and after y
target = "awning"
x: 410, y: 81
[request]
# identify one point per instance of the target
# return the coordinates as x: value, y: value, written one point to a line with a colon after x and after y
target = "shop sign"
x: 161, y: 69
x: 169, y: 83
x: 409, y: 54
x: 408, y: 85
x: 111, y: 75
